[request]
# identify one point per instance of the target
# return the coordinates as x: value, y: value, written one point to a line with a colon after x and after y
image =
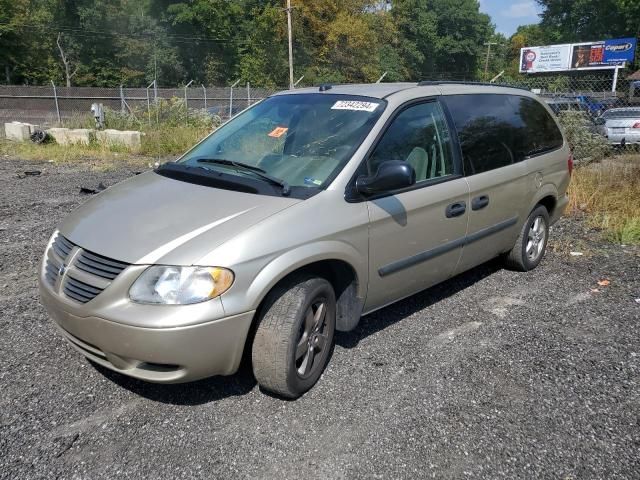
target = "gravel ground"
x: 493, y: 374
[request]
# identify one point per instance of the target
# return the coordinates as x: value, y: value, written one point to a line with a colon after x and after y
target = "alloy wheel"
x: 313, y: 340
x: 537, y: 238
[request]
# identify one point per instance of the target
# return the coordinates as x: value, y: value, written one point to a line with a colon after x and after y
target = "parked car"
x: 564, y: 104
x: 291, y: 221
x: 595, y: 106
x: 621, y: 126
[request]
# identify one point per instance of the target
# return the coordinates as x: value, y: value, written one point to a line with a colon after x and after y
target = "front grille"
x: 98, y: 265
x: 80, y: 291
x: 56, y: 257
x: 88, y: 273
x: 62, y: 247
x: 51, y: 270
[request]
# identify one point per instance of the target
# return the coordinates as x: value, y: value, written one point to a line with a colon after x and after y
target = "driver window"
x: 419, y: 136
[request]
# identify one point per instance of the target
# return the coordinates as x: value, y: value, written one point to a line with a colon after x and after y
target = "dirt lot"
x: 493, y: 374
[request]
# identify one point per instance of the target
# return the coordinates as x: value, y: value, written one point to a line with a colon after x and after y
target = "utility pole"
x: 486, y: 62
x: 291, y: 84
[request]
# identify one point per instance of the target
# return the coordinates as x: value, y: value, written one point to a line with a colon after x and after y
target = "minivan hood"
x: 153, y: 219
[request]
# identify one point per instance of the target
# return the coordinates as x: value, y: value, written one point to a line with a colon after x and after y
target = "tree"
x: 66, y: 62
x: 26, y: 51
x: 442, y: 37
x: 206, y: 34
x: 585, y: 20
x: 132, y: 42
x: 263, y: 58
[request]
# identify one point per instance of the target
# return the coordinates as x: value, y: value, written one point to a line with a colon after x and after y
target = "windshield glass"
x: 301, y: 139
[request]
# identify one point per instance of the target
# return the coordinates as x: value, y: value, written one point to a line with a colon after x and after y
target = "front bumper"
x: 161, y: 355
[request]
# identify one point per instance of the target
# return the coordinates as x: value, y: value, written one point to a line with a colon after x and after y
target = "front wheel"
x: 531, y: 244
x: 295, y: 336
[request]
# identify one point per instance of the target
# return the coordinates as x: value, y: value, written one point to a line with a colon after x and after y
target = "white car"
x: 621, y: 126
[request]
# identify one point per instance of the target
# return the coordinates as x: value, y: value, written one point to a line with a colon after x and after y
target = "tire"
x: 531, y: 244
x: 295, y: 335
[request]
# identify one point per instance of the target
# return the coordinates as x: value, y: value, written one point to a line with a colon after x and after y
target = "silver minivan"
x: 294, y: 219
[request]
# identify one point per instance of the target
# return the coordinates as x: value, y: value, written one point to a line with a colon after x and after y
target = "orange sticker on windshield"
x: 278, y: 132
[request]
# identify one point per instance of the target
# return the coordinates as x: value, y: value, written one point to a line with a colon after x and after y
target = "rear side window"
x: 499, y: 130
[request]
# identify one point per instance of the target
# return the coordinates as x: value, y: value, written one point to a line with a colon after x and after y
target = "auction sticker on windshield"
x: 354, y: 105
x: 278, y: 132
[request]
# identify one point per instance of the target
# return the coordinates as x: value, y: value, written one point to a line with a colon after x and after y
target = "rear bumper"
x: 161, y: 355
x: 617, y: 139
x: 559, y: 210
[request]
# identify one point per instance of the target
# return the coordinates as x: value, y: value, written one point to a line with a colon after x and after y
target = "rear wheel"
x: 531, y: 244
x: 295, y: 335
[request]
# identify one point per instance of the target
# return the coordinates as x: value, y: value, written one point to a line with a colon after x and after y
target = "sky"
x: 508, y: 15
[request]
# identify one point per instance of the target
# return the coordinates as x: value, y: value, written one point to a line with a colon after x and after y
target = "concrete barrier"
x: 127, y: 138
x: 71, y: 136
x: 130, y: 139
x: 18, y: 131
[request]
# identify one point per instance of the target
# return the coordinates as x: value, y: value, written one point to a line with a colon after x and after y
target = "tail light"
x: 570, y: 163
x: 636, y: 125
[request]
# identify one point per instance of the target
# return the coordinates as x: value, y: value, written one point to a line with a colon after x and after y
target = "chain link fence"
x: 53, y: 105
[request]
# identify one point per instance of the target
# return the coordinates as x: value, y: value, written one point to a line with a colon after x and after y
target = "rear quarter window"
x: 496, y: 130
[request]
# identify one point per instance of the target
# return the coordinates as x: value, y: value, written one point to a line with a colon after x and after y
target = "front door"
x: 416, y: 235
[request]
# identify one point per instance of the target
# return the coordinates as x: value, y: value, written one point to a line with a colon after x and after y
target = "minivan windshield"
x: 299, y: 140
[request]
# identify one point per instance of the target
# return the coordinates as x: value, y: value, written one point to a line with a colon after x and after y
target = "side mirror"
x: 391, y: 175
x: 599, y: 121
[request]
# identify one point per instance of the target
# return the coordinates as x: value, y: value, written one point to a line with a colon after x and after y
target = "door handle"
x: 479, y: 202
x: 455, y: 209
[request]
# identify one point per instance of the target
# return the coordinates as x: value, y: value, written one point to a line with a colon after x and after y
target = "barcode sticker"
x: 354, y: 105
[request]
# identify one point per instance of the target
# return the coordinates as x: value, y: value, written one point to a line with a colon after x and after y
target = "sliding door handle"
x: 455, y: 209
x: 479, y: 202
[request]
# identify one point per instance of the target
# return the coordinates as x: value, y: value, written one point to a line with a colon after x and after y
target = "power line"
x: 80, y: 31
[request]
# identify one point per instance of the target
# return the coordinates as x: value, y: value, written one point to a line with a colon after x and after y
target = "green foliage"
x: 585, y: 145
x: 163, y: 114
x: 441, y: 36
x: 113, y: 42
x: 608, y: 192
x: 584, y: 20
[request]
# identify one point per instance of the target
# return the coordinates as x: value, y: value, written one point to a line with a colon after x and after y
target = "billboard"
x: 577, y: 56
x: 606, y: 53
x: 551, y: 58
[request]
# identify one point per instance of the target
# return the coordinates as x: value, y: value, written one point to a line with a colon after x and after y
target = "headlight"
x: 180, y: 285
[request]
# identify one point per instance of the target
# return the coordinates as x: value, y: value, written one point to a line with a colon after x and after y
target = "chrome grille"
x: 88, y: 273
x: 80, y: 291
x: 62, y: 247
x: 56, y: 257
x: 98, y: 265
x: 51, y: 270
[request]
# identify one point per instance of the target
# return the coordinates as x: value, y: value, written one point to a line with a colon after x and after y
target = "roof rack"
x: 454, y: 82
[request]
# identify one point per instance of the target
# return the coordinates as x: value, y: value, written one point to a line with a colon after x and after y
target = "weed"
x: 609, y: 192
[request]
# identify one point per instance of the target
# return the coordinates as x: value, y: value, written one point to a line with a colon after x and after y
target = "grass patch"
x: 168, y: 131
x: 160, y: 143
x: 609, y: 192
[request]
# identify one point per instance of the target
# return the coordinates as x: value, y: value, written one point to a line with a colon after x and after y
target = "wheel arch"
x: 547, y: 196
x: 343, y: 267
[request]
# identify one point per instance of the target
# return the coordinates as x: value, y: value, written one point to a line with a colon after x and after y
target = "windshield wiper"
x: 259, y: 172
